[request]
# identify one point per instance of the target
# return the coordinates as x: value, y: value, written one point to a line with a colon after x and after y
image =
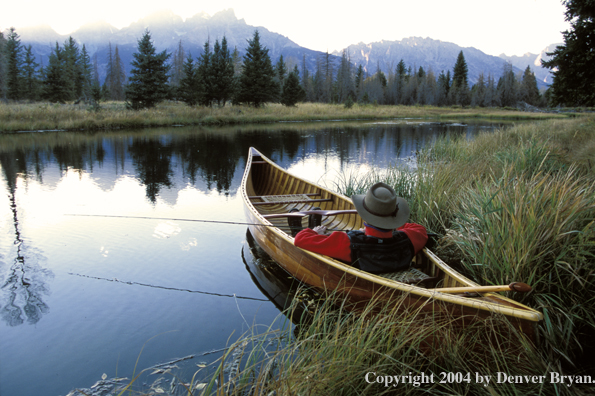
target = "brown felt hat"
x: 381, y: 207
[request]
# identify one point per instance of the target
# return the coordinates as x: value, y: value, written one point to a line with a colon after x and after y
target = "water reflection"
x: 162, y: 159
x: 165, y: 162
x: 25, y: 282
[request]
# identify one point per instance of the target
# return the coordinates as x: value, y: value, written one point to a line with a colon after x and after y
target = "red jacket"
x: 338, y: 245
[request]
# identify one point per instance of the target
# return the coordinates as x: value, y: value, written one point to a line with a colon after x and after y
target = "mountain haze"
x: 167, y: 29
x: 435, y: 54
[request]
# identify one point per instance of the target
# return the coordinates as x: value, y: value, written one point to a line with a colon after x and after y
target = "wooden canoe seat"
x: 287, y: 198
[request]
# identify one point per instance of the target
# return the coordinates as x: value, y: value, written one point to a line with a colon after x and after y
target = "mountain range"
x: 167, y: 29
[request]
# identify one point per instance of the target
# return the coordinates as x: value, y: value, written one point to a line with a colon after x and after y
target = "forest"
x: 220, y: 75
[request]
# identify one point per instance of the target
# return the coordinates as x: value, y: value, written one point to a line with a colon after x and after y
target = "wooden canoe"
x: 269, y: 192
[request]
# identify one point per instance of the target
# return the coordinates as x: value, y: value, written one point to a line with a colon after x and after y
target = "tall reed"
x: 519, y: 205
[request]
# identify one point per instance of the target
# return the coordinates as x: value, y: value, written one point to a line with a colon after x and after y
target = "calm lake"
x: 82, y: 296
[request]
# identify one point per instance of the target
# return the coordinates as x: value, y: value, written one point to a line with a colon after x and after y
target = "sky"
x: 512, y: 27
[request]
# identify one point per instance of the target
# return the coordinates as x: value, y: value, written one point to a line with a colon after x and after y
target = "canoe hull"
x: 358, y: 287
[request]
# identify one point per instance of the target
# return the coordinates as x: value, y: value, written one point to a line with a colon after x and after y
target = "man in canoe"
x: 387, y: 242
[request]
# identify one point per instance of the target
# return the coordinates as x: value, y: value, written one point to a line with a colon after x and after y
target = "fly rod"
x: 194, y: 220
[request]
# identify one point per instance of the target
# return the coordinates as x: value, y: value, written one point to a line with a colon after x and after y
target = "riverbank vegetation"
x: 115, y: 115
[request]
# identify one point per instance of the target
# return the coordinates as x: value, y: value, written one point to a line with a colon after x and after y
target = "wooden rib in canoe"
x: 264, y: 178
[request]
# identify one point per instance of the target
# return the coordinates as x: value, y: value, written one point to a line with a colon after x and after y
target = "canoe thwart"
x: 309, y: 212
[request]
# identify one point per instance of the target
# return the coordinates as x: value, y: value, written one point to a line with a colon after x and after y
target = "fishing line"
x: 166, y: 288
x: 195, y: 220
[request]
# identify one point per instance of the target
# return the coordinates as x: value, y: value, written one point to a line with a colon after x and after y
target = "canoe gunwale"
x: 525, y: 313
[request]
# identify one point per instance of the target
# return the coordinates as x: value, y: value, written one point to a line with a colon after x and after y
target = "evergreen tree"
x: 148, y: 77
x: 572, y: 62
x: 345, y: 85
x: 177, y: 69
x: 86, y: 73
x: 222, y: 72
x: 478, y: 92
x: 55, y: 86
x: 507, y: 86
x: 118, y: 77
x: 359, y: 79
x: 400, y: 80
x: 3, y: 66
x: 204, y: 76
x: 280, y: 72
x: 306, y: 81
x: 14, y: 62
x: 444, y: 84
x: 529, y: 92
x: 30, y: 75
x: 292, y: 91
x: 71, y: 69
x: 257, y: 85
x: 459, y: 91
x: 189, y: 91
x: 115, y: 76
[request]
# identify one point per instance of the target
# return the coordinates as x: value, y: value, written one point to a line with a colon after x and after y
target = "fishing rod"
x: 193, y: 220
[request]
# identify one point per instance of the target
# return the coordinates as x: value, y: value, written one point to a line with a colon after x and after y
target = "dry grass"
x: 114, y: 115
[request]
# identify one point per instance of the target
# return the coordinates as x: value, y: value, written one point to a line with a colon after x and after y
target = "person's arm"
x: 336, y: 245
x: 417, y: 235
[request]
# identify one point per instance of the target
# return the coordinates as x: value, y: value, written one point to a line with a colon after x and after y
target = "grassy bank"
x: 512, y: 205
x: 114, y: 115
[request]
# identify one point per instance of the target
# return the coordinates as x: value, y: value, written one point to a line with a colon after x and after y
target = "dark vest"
x: 378, y: 255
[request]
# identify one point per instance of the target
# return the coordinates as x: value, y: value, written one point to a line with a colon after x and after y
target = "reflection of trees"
x: 152, y: 161
x: 211, y: 156
x: 24, y: 285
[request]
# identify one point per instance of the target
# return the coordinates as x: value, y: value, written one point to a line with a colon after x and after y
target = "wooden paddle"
x: 514, y: 286
x: 309, y: 212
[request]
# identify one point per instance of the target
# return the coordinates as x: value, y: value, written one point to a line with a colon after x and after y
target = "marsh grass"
x: 519, y: 205
x: 115, y: 115
x: 334, y: 351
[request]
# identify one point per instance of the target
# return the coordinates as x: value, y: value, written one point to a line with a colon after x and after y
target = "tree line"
x: 219, y: 76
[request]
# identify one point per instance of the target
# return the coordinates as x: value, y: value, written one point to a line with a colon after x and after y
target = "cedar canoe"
x: 269, y: 193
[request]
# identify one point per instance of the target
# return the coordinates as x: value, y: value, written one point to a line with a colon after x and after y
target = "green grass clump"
x: 518, y: 205
x: 338, y: 352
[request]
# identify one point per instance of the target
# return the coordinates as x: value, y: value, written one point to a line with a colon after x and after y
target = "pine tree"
x: 86, y: 73
x: 459, y: 91
x: 55, y: 86
x: 401, y: 78
x: 30, y: 75
x: 115, y: 76
x: 14, y: 62
x: 478, y: 92
x: 204, y: 76
x: 189, y: 91
x: 345, y: 85
x: 71, y: 69
x: 222, y: 72
x: 149, y: 75
x: 257, y: 85
x: 118, y: 77
x: 572, y: 62
x: 529, y: 92
x: 508, y: 86
x: 292, y: 90
x: 177, y: 70
x: 280, y: 72
x: 3, y: 66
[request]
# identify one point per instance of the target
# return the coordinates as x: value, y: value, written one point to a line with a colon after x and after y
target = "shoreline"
x: 46, y: 117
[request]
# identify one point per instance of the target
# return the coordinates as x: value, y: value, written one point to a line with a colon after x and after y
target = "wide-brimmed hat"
x: 381, y: 207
